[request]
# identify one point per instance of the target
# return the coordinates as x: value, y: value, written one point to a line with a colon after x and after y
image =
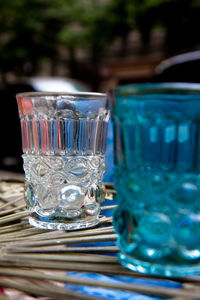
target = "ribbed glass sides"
x: 165, y: 143
x: 63, y: 137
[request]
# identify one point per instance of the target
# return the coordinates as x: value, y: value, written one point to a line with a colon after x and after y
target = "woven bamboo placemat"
x: 34, y: 263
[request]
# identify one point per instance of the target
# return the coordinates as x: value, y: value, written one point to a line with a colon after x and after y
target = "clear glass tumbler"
x: 64, y: 142
x: 157, y: 177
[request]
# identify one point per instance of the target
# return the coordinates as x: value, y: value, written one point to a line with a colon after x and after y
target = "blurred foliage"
x: 36, y: 29
x: 28, y: 33
x: 180, y: 18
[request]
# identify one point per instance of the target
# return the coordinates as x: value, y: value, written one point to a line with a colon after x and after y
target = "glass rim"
x: 83, y: 95
x: 157, y: 87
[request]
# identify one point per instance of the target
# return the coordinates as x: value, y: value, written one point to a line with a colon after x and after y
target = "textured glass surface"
x: 64, y: 143
x: 157, y: 177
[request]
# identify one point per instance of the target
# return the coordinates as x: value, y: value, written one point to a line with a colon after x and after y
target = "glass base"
x: 152, y: 268
x: 76, y: 225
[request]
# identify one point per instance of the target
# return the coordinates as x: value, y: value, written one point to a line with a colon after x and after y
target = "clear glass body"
x: 64, y: 142
x: 157, y: 177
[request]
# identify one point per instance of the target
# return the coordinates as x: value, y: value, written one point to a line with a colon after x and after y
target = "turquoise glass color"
x: 157, y: 177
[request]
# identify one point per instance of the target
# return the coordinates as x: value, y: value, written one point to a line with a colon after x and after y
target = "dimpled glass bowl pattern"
x: 64, y: 141
x: 157, y: 177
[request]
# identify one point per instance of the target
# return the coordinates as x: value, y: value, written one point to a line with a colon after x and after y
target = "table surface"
x: 40, y: 264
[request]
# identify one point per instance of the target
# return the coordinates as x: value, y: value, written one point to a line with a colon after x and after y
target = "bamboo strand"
x: 51, y: 285
x: 19, y: 234
x: 87, y: 258
x: 190, y: 279
x: 86, y: 232
x: 3, y: 200
x: 144, y: 289
x: 8, y: 211
x: 16, y: 180
x: 11, y: 202
x: 105, y: 220
x: 65, y: 241
x: 107, y: 207
x: 108, y: 265
x: 110, y: 190
x: 57, y: 249
x: 111, y: 269
x: 35, y: 249
x: 30, y: 288
x: 22, y: 236
x: 9, y: 195
x: 13, y: 217
x: 14, y: 227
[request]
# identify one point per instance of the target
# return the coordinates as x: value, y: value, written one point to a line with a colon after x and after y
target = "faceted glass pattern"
x: 64, y: 141
x: 157, y: 177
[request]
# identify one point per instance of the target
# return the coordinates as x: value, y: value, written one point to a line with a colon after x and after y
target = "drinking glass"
x: 157, y: 177
x: 64, y: 142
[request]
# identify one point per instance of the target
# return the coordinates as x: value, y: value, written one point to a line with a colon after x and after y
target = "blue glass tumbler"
x: 157, y: 177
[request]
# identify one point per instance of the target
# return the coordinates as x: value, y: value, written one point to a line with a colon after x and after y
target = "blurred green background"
x: 94, y: 41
